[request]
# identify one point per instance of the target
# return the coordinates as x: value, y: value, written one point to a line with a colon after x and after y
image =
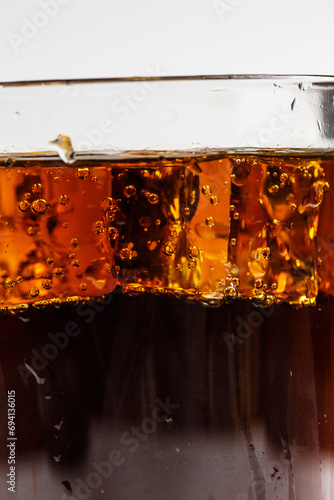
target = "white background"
x: 106, y: 38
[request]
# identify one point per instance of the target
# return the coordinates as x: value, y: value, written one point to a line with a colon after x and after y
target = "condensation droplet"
x: 34, y: 292
x: 64, y: 199
x: 168, y: 248
x: 98, y: 227
x: 129, y: 190
x: 40, y: 206
x: 58, y: 272
x: 83, y: 173
x: 210, y: 221
x: 37, y: 188
x: 24, y: 205
x: 193, y: 252
x: 47, y: 284
x: 214, y: 200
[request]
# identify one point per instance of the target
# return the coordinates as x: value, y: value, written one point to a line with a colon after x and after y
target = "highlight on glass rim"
x: 166, y: 288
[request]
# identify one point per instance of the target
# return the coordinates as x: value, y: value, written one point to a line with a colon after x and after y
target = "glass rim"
x: 264, y: 78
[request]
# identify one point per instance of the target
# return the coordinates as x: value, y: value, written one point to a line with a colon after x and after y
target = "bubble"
x: 83, y: 173
x: 210, y: 221
x: 236, y: 216
x: 65, y: 225
x: 258, y: 283
x: 40, y: 206
x: 153, y: 198
x: 58, y: 272
x: 113, y: 232
x: 274, y: 286
x: 31, y: 231
x: 49, y: 260
x: 56, y: 180
x: 192, y: 266
x: 83, y: 286
x: 107, y: 204
x: 9, y: 283
x: 240, y: 171
x: 169, y: 248
x: 292, y: 207
x: 98, y: 227
x: 157, y: 222
x: 232, y: 207
x: 24, y: 205
x: 129, y: 191
x: 231, y: 293
x: 233, y: 241
x: 26, y: 196
x: 214, y: 200
x: 193, y: 252
x: 235, y: 281
x: 74, y: 242
x: 19, y: 279
x: 213, y: 299
x: 265, y: 253
x: 34, y: 292
x: 37, y: 188
x: 75, y: 263
x: 64, y: 199
x: 273, y: 189
x: 145, y: 221
x: 151, y: 245
x: 186, y: 211
x: 47, y: 284
x: 125, y: 254
x: 284, y: 177
x: 178, y: 268
x: 206, y: 190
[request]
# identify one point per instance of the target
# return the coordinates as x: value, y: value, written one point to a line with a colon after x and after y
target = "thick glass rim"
x: 289, y: 78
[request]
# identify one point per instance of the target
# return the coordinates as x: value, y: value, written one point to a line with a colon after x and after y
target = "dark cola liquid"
x: 167, y: 328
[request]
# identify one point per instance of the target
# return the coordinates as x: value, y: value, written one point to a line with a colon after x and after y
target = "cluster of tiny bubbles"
x: 129, y: 191
x: 64, y: 199
x: 107, y: 204
x: 214, y: 200
x: 98, y: 227
x: 193, y: 252
x: 40, y: 206
x: 34, y: 292
x: 261, y: 298
x: 37, y: 188
x: 265, y: 253
x: 47, y: 284
x: 125, y: 254
x: 210, y: 221
x: 58, y: 272
x: 74, y: 242
x: 240, y: 171
x: 83, y: 173
x: 168, y: 248
x: 113, y: 232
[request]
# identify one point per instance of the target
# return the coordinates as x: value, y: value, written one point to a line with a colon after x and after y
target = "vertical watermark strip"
x: 11, y: 445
